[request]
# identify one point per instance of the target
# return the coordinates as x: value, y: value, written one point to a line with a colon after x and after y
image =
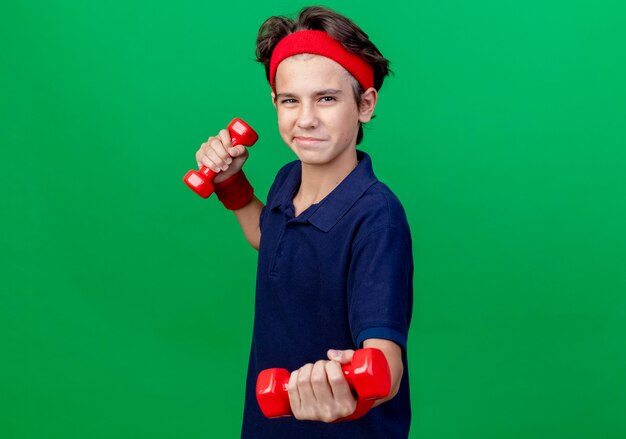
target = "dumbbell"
x: 368, y: 376
x: 201, y: 182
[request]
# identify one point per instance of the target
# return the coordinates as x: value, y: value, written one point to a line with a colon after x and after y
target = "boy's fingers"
x: 292, y: 389
x: 224, y: 136
x: 220, y: 161
x: 303, y: 381
x: 236, y: 151
x: 319, y: 381
x: 218, y: 147
x: 338, y: 383
x: 343, y: 357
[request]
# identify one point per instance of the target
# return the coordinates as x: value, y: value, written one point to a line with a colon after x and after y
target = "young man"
x: 335, y: 269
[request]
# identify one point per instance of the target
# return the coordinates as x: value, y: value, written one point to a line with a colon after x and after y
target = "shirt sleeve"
x: 380, y: 286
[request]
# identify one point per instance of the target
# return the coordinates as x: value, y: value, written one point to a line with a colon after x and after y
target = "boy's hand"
x: 219, y: 155
x: 320, y: 392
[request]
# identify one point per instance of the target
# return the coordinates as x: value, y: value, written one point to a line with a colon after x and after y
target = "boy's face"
x: 317, y: 113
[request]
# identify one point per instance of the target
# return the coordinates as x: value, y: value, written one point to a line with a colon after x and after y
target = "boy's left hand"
x: 320, y: 392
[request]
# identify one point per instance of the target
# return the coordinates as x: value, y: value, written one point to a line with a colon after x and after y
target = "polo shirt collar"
x: 325, y: 214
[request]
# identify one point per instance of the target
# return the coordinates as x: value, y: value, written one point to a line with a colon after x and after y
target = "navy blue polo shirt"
x: 337, y: 274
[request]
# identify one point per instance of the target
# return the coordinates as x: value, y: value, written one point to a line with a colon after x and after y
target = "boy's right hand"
x: 219, y: 155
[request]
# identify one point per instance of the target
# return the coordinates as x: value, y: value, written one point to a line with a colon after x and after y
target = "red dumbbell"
x: 368, y: 375
x: 201, y: 182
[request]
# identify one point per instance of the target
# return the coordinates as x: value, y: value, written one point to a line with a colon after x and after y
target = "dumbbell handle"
x: 210, y: 173
x: 201, y: 182
x: 283, y: 380
x: 368, y: 376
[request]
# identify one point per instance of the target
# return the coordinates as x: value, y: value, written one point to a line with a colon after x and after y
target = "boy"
x: 335, y: 268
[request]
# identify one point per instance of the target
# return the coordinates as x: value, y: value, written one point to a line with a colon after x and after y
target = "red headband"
x: 320, y: 43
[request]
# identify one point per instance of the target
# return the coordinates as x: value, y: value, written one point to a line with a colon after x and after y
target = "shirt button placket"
x: 278, y: 254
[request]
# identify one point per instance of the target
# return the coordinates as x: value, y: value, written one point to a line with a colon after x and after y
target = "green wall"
x: 126, y: 301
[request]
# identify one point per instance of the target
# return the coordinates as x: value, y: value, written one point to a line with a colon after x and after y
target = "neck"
x: 320, y: 180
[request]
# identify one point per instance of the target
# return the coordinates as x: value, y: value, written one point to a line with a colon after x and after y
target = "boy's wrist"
x: 234, y: 192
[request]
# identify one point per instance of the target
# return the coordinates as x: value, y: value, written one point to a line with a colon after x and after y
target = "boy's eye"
x: 323, y: 99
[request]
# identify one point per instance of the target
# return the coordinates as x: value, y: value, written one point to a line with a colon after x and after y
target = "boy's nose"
x: 307, y: 117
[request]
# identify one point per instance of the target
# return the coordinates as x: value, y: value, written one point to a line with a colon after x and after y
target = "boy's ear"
x: 274, y: 99
x: 368, y: 103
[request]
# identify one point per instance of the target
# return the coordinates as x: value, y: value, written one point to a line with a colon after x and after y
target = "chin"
x: 311, y: 157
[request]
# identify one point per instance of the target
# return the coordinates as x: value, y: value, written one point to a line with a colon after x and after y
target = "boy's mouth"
x: 307, y: 140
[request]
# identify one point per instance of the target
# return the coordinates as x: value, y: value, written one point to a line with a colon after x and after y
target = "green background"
x: 126, y: 300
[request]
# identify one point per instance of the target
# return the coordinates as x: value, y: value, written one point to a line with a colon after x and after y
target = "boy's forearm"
x: 248, y: 217
x: 393, y: 354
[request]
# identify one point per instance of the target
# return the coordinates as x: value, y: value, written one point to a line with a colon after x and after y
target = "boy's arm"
x: 219, y: 155
x: 248, y: 217
x: 393, y: 354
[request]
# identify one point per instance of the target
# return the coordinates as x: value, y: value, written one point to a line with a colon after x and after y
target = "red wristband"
x: 234, y: 192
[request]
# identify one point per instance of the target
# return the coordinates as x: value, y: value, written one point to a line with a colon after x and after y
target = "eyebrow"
x: 328, y: 91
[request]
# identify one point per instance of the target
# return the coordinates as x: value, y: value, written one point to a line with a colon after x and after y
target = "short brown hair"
x: 337, y: 26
